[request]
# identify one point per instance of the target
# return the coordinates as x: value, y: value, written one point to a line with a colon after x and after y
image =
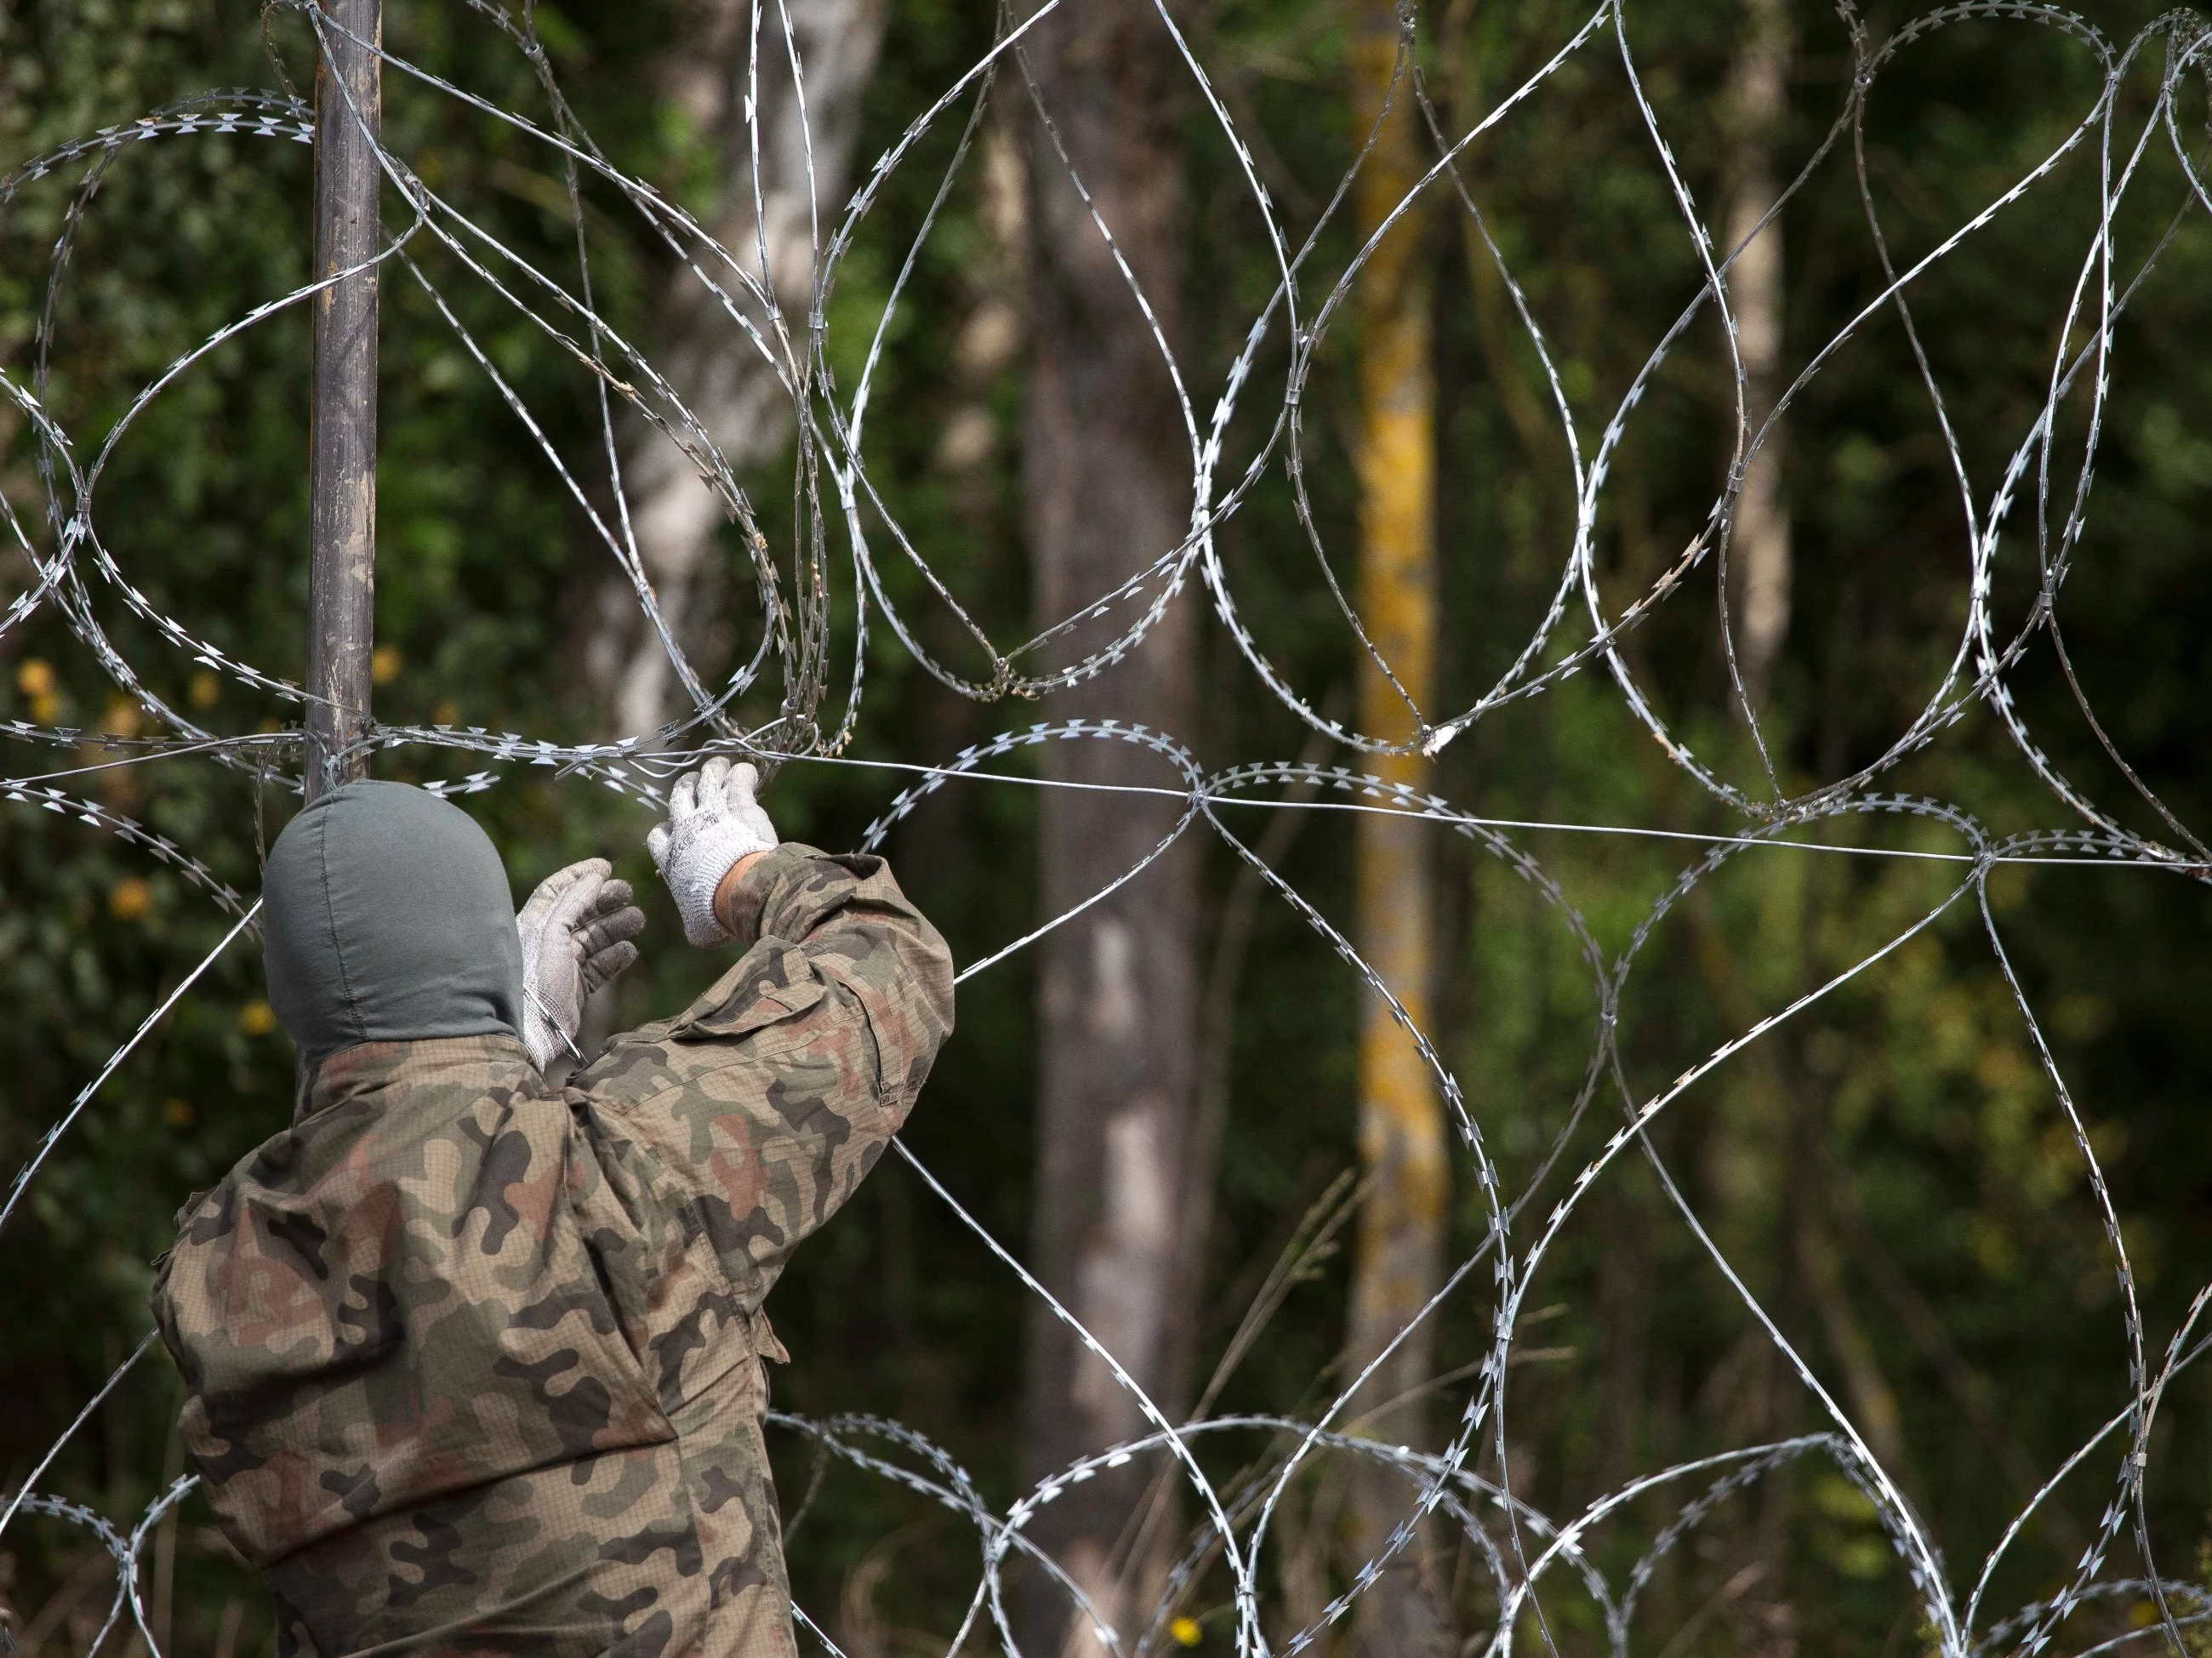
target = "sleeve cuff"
x: 755, y: 886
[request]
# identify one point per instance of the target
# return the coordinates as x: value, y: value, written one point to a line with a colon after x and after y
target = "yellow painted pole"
x: 1400, y: 1252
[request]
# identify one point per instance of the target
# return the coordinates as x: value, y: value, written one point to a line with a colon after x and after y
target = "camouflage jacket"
x: 472, y: 1364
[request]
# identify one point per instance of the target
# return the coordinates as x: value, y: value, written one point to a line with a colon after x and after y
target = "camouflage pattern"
x: 473, y: 1364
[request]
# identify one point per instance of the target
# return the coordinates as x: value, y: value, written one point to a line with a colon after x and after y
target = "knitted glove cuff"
x: 699, y: 851
x: 541, y: 1036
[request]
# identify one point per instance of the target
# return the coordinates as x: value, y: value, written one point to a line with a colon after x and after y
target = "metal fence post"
x: 342, y: 425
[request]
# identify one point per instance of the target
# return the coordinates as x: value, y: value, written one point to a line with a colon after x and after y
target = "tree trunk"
x: 1758, y: 552
x: 1398, y: 1262
x: 1107, y: 490
x: 1759, y: 577
x: 730, y: 388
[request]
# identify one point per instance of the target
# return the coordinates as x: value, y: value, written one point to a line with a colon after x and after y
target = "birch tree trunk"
x: 720, y: 375
x: 1759, y: 551
x: 1399, y: 1260
x: 1107, y: 490
x: 1759, y: 575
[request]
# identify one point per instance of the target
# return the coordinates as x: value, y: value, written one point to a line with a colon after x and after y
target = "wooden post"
x: 342, y: 421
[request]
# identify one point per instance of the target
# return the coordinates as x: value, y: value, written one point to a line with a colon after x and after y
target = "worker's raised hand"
x: 576, y: 931
x: 713, y: 821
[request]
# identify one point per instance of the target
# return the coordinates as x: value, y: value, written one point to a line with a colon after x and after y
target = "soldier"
x: 472, y: 1361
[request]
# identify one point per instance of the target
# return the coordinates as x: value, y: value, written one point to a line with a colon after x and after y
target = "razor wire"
x: 1522, y: 1551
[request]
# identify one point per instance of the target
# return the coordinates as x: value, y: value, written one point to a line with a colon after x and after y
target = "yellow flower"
x: 257, y: 1019
x: 123, y: 717
x: 35, y: 679
x: 177, y: 1113
x: 1186, y: 1631
x: 131, y: 899
x: 384, y: 665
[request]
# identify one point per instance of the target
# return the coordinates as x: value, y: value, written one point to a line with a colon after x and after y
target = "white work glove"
x: 576, y: 931
x: 713, y: 821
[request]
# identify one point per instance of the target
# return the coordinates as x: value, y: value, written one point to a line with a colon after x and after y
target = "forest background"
x: 1890, y: 1170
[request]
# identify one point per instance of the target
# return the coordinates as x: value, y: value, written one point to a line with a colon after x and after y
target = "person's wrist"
x: 726, y: 891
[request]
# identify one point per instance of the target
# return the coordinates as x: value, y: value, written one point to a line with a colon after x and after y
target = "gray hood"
x: 386, y: 918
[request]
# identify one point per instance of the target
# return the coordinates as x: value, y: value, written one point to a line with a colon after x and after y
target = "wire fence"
x: 819, y: 703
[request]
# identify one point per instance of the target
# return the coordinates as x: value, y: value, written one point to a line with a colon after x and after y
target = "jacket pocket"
x: 760, y: 994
